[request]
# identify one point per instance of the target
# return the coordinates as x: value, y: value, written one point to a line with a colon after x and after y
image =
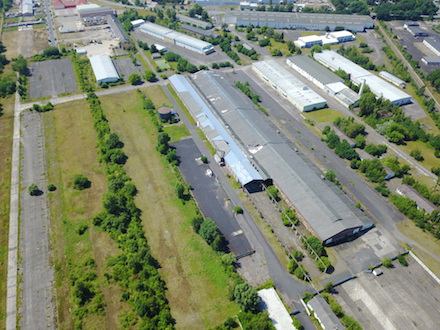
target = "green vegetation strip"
x: 181, y: 105
x: 136, y: 270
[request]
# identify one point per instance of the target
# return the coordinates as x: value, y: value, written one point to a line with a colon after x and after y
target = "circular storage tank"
x: 164, y: 113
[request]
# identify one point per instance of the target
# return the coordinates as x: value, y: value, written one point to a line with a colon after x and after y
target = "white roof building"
x: 378, y: 86
x: 323, y: 78
x: 104, y: 69
x: 392, y: 79
x: 278, y: 314
x: 177, y: 38
x: 137, y: 22
x: 289, y: 86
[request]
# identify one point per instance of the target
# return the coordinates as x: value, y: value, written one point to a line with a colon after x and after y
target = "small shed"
x: 81, y: 51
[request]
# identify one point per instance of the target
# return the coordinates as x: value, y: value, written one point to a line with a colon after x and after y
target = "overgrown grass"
x: 425, y: 239
x: 176, y: 132
x: 71, y: 149
x: 6, y: 131
x: 192, y: 271
x: 323, y: 115
x: 430, y: 160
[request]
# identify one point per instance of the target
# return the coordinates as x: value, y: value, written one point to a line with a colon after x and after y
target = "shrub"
x: 402, y: 259
x: 33, y: 190
x: 325, y: 264
x: 196, y: 222
x: 387, y: 263
x: 238, y: 210
x: 298, y: 255
x: 273, y: 192
x: 293, y: 265
x: 82, y: 229
x: 204, y: 159
x: 51, y: 187
x: 80, y: 182
x: 300, y: 273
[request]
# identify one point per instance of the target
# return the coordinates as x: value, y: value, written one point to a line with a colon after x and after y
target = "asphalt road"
x: 283, y: 281
x: 51, y: 33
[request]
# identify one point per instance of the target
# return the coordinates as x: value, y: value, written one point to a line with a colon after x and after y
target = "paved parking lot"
x: 389, y: 301
x: 210, y: 196
x: 50, y: 78
x: 125, y: 67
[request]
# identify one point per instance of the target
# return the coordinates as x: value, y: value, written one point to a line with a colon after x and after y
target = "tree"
x: 247, y: 298
x: 402, y: 259
x: 330, y: 175
x: 34, y: 190
x: 208, y: 231
x: 20, y: 65
x: 196, y: 222
x: 276, y: 52
x: 134, y: 79
x: 328, y: 287
x: 387, y: 262
x: 360, y: 141
x: 80, y: 182
x: 150, y: 76
x: 180, y: 190
x: 272, y: 191
x: 417, y: 155
x: 367, y: 104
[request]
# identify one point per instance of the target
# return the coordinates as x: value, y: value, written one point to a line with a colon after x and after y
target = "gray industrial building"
x: 194, y: 21
x: 316, y: 22
x: 324, y: 79
x: 433, y: 44
x: 319, y: 202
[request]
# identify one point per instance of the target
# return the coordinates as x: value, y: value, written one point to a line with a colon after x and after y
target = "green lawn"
x: 427, y: 151
x: 176, y: 131
x: 162, y: 64
x: 323, y: 115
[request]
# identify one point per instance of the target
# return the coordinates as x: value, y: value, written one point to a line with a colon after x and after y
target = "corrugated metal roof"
x: 175, y: 36
x: 277, y: 312
x: 324, y: 314
x: 103, y: 67
x: 319, y: 203
x: 235, y: 158
x: 377, y: 85
x: 434, y: 42
x: 306, y: 18
x: 289, y: 84
x: 313, y: 68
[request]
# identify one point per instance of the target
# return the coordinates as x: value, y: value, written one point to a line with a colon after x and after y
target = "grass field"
x: 427, y: 151
x: 176, y: 131
x: 409, y: 229
x: 162, y: 64
x: 181, y: 105
x: 323, y: 115
x: 9, y: 39
x: 6, y: 131
x: 71, y: 149
x: 197, y: 283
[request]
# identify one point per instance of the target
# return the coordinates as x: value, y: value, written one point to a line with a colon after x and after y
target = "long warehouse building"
x: 104, y: 69
x: 323, y: 78
x: 319, y: 202
x: 288, y: 86
x: 307, y: 21
x: 228, y: 152
x: 358, y: 75
x: 177, y: 38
